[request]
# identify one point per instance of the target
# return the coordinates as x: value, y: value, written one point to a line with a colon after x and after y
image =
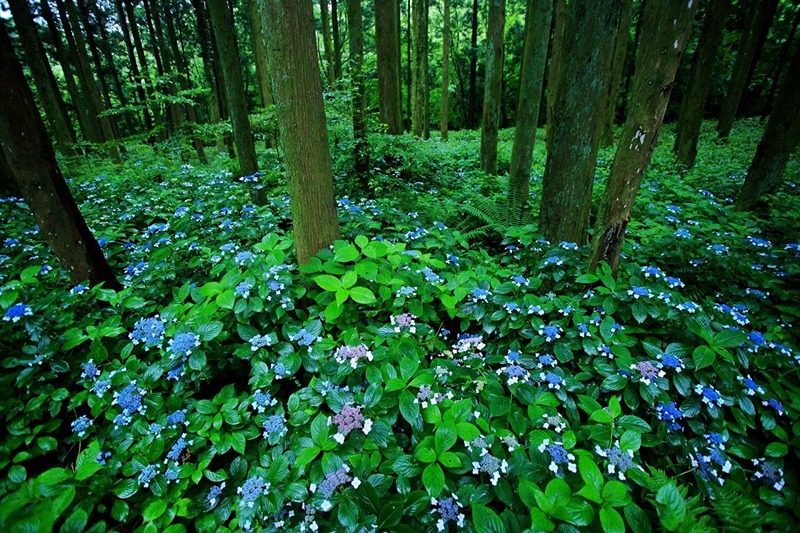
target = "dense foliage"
x: 410, y: 378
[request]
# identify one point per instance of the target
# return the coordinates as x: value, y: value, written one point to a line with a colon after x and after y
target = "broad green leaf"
x: 486, y: 520
x: 433, y: 479
x: 328, y: 283
x: 362, y: 295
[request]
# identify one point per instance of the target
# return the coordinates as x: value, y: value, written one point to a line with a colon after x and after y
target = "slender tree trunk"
x: 776, y: 75
x: 8, y: 185
x: 409, y: 77
x: 781, y: 137
x: 387, y: 38
x: 27, y: 149
x: 631, y: 63
x: 173, y: 108
x: 260, y: 53
x: 587, y: 45
x: 325, y: 16
x: 137, y: 74
x: 534, y: 59
x: 559, y: 18
x: 419, y: 62
x: 337, y: 42
x: 617, y: 67
x: 46, y: 87
x: 755, y: 32
x: 207, y: 55
x: 668, y: 26
x: 105, y: 49
x: 490, y: 123
x: 222, y: 25
x: 473, y: 68
x: 445, y: 69
x: 690, y: 117
x: 297, y: 87
x: 358, y: 92
x: 93, y: 94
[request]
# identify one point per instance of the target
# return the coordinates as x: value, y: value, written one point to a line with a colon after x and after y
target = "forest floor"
x: 433, y: 352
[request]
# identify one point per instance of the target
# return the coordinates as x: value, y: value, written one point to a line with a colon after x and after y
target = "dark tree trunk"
x: 631, y: 64
x: 46, y: 87
x: 173, y: 108
x: 490, y: 122
x: 445, y: 69
x: 297, y: 87
x: 105, y: 49
x: 668, y: 26
x: 587, y: 46
x: 29, y: 154
x: 325, y: 21
x: 209, y: 70
x: 387, y: 38
x: 337, y: 42
x: 355, y: 21
x: 534, y: 59
x: 259, y: 52
x: 409, y: 41
x: 8, y: 185
x: 690, y: 117
x: 559, y: 18
x: 137, y: 74
x: 473, y: 68
x: 777, y: 72
x: 755, y: 32
x: 781, y: 137
x: 222, y: 25
x: 419, y: 74
x: 617, y: 67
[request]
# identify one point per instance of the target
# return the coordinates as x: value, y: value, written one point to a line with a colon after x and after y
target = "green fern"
x: 485, y: 217
x: 736, y: 512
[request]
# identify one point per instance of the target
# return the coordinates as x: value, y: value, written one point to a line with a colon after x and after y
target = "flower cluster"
x: 331, y: 482
x: 551, y: 333
x: 251, y: 489
x: 274, y: 425
x: 671, y: 414
x: 347, y: 420
x: 449, y: 510
x: 558, y: 456
x: 404, y: 321
x: 130, y: 399
x: 648, y: 371
x: 709, y: 395
x: 81, y: 425
x: 260, y: 341
x: 17, y: 311
x: 491, y: 465
x: 769, y: 474
x: 262, y: 400
x: 352, y: 354
x: 182, y: 344
x: 619, y: 461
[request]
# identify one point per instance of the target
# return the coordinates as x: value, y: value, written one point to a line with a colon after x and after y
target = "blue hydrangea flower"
x: 520, y: 281
x: 81, y: 425
x: 177, y: 449
x: 214, y: 493
x: 652, y: 272
x: 491, y: 465
x: 148, y: 331
x: 682, y: 233
x: 130, y: 399
x: 558, y: 456
x: 102, y: 457
x: 406, y: 291
x: 155, y: 430
x: 618, y: 461
x: 769, y: 474
x: 333, y: 480
x: 305, y: 338
x: 176, y: 372
x: 750, y: 386
x: 689, y: 307
x: 274, y: 425
x: 715, y: 439
x: 775, y: 405
x: 17, y: 311
x: 78, y: 289
x: 262, y: 400
x: 243, y: 289
x: 515, y: 373
x: 147, y: 474
x: 551, y: 332
x: 90, y: 370
x: 674, y: 282
x: 671, y: 414
x: 512, y: 357
x: 669, y: 360
x: 182, y: 344
x: 552, y: 379
x: 251, y: 489
x: 757, y: 339
x: 244, y: 257
x: 553, y: 260
x: 430, y: 275
x: 583, y: 330
x: 709, y: 394
x: 480, y: 295
x: 177, y: 418
x: 546, y: 360
x: 449, y: 510
x: 101, y: 387
x: 640, y: 292
x: 452, y: 260
x: 759, y: 242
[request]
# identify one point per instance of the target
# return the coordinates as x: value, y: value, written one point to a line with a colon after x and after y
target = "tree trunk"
x: 587, y: 45
x: 668, y: 26
x: 173, y: 108
x: 778, y: 69
x: 297, y: 87
x: 409, y: 41
x: 631, y: 63
x: 781, y: 137
x: 222, y: 25
x: 138, y: 77
x: 105, y: 49
x: 490, y: 123
x: 617, y: 67
x: 387, y: 38
x: 534, y: 59
x: 690, y: 117
x: 473, y: 68
x: 445, y: 69
x: 27, y: 150
x: 46, y: 87
x: 69, y: 17
x: 358, y: 92
x: 325, y: 16
x: 559, y: 17
x: 260, y: 52
x: 337, y: 42
x: 755, y: 32
x: 419, y: 68
x: 209, y: 70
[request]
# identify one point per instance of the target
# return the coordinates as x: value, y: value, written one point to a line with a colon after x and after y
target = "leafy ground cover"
x: 408, y: 379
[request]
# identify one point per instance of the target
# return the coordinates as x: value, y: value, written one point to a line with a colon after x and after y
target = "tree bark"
x: 387, y: 38
x: 587, y: 44
x: 46, y: 87
x: 534, y: 58
x: 755, y: 32
x: 559, y: 18
x: 668, y: 26
x: 419, y: 68
x: 490, y: 122
x: 222, y: 25
x: 337, y: 42
x: 138, y: 77
x: 473, y: 68
x: 297, y: 87
x: 690, y: 117
x: 105, y: 49
x: 27, y: 149
x: 260, y: 52
x: 325, y: 21
x: 617, y: 67
x: 358, y: 92
x: 445, y: 69
x: 209, y: 70
x: 781, y: 137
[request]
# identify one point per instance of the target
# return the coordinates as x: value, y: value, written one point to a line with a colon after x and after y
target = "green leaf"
x: 728, y: 339
x: 433, y: 479
x: 306, y: 456
x: 467, y: 432
x: 86, y: 464
x: 125, y: 489
x: 328, y: 283
x: 486, y: 520
x: 776, y: 449
x: 209, y: 331
x: 449, y: 459
x: 590, y: 472
x: 227, y: 299
x: 17, y: 474
x: 611, y: 521
x: 671, y: 506
x: 424, y: 453
x: 630, y: 440
x: 615, y: 494
x: 703, y: 357
x: 346, y: 253
x: 362, y: 295
x: 76, y: 522
x: 445, y: 438
x: 154, y: 510
x: 558, y: 492
x: 319, y: 430
x: 637, y: 518
x: 409, y: 409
